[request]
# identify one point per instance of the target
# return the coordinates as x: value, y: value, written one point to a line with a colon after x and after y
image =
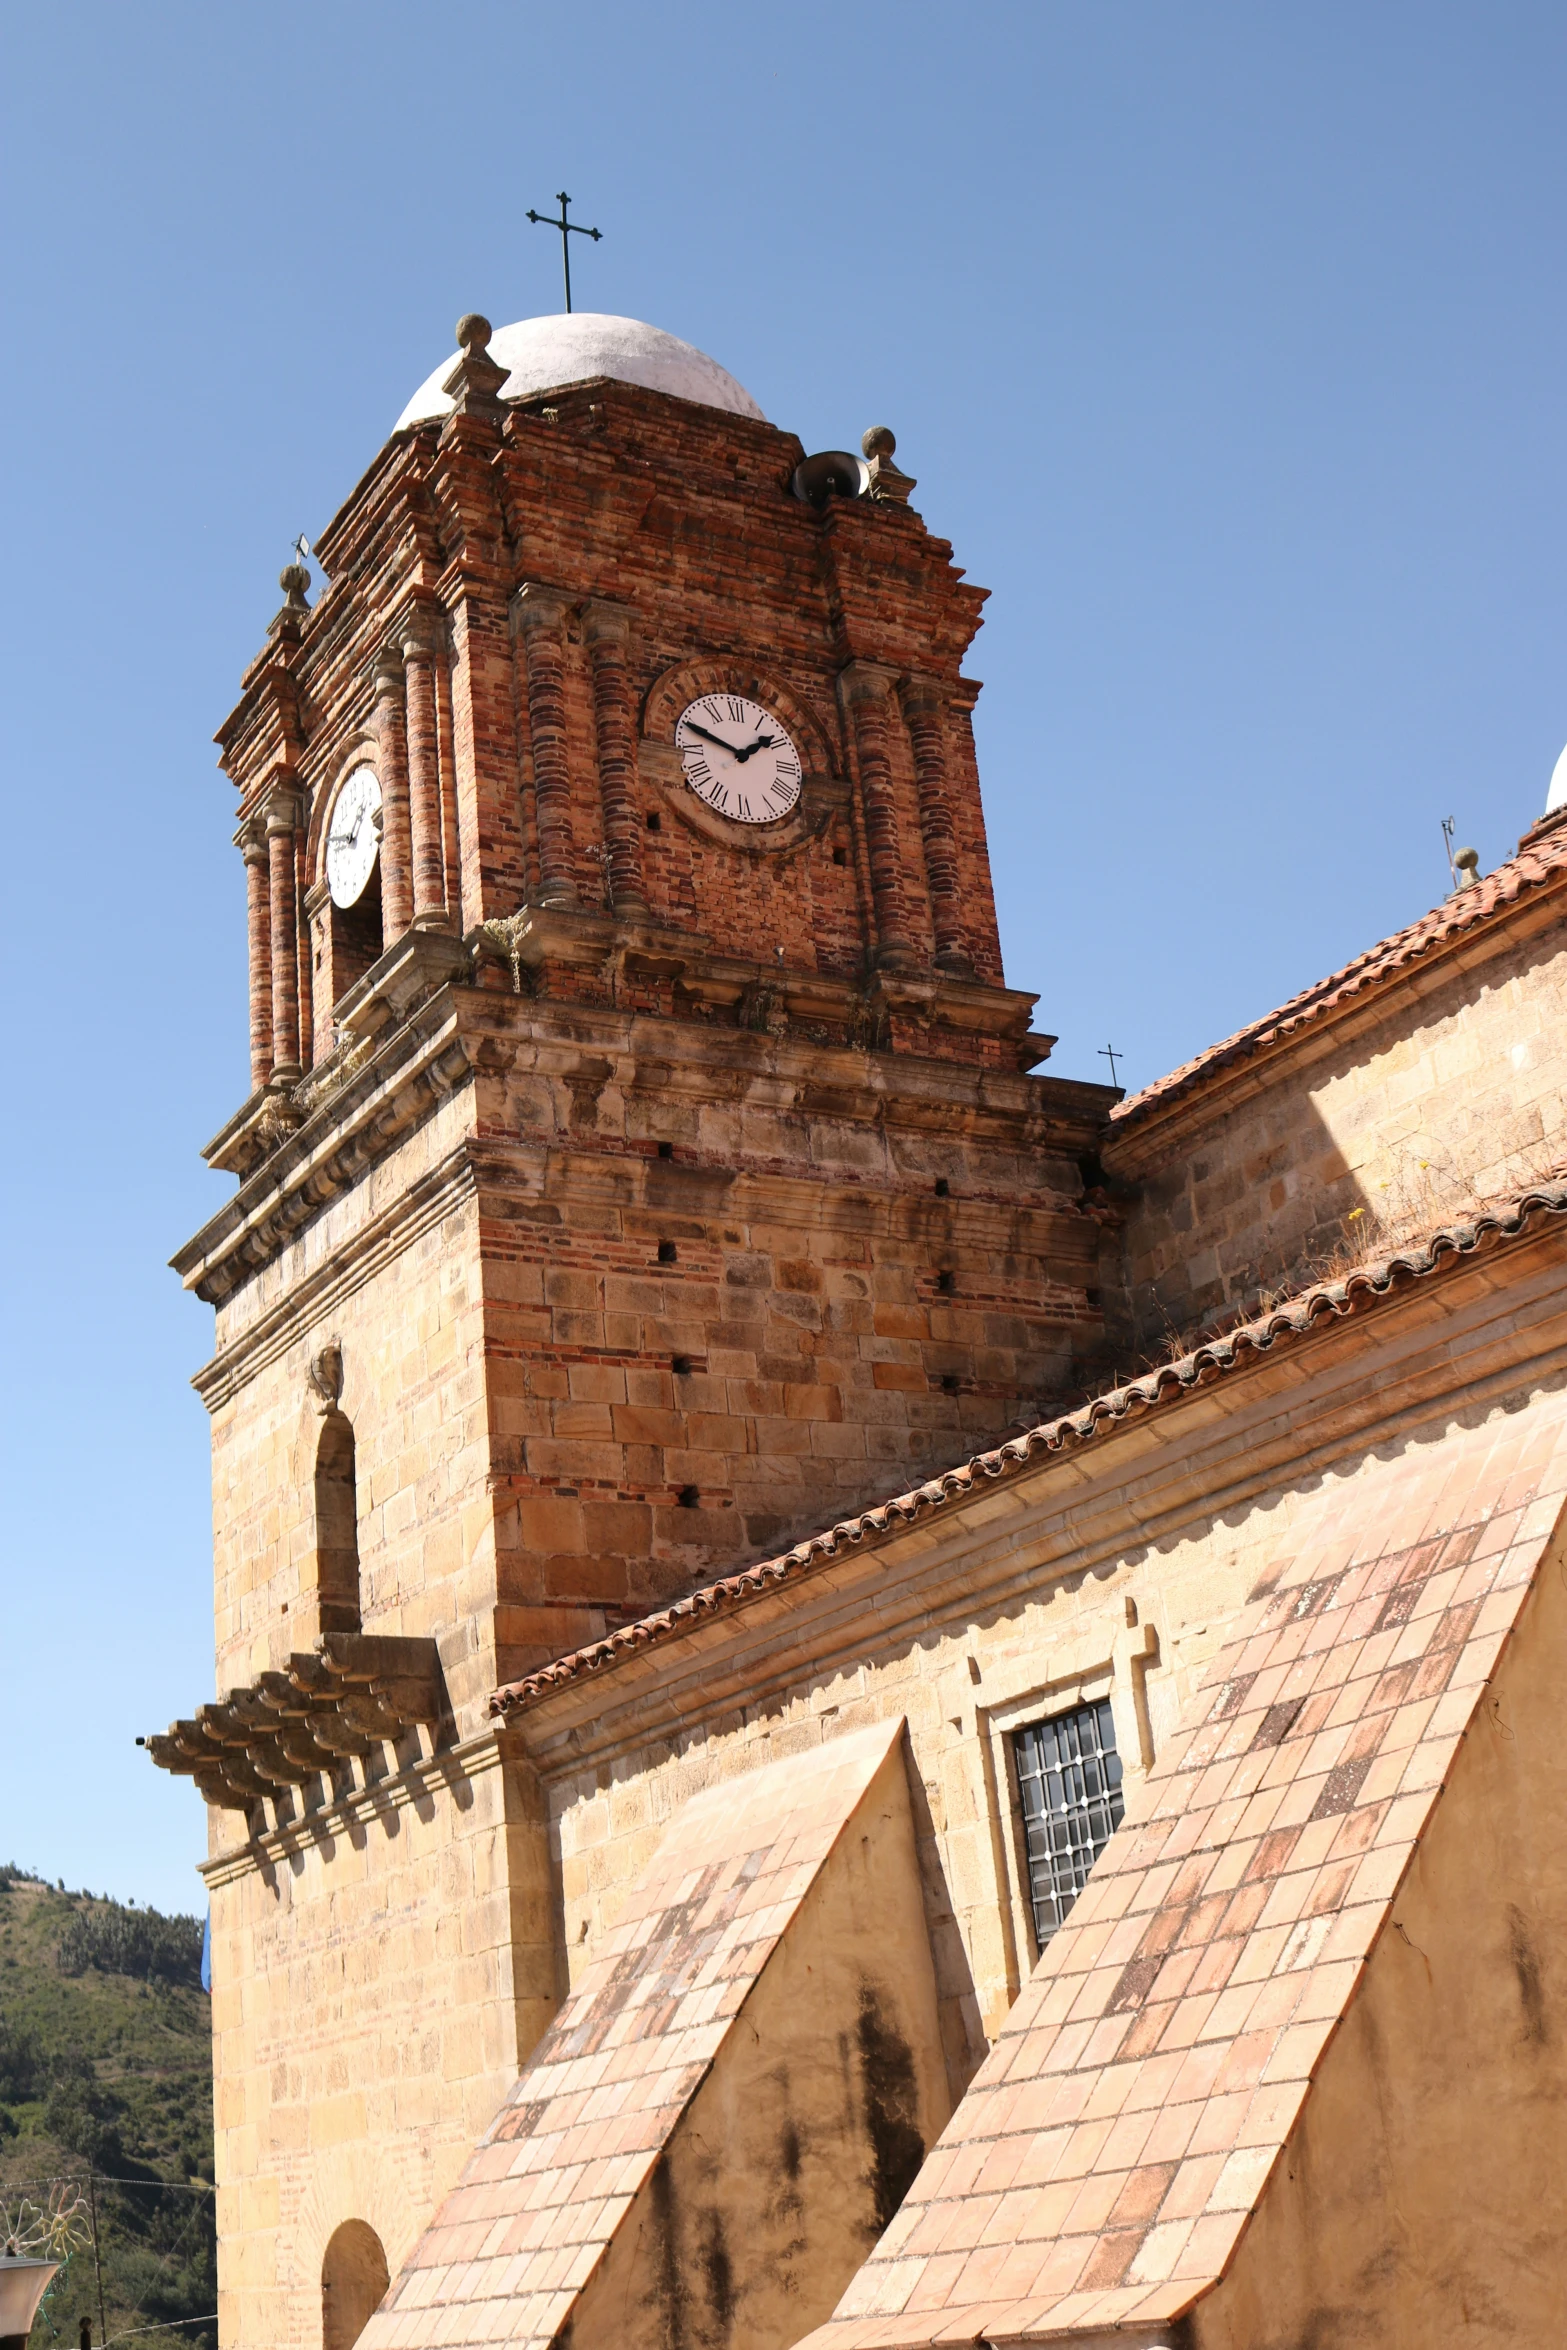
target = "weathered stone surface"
x: 730, y: 2105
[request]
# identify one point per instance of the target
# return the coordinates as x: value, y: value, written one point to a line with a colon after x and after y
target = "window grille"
x: 1069, y: 1788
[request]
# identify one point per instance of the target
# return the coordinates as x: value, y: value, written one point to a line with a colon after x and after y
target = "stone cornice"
x: 358, y: 1260
x: 1389, y: 1366
x: 413, y: 1035
x: 355, y: 1123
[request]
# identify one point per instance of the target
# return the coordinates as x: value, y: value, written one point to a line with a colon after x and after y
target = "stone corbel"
x: 324, y: 1377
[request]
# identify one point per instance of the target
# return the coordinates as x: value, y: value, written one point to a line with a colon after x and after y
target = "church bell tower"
x: 641, y: 1169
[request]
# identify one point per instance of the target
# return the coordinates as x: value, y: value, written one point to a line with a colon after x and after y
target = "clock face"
x: 353, y: 837
x: 738, y: 758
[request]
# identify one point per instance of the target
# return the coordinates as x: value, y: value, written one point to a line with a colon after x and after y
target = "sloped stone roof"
x: 1105, y: 2161
x: 556, y: 2172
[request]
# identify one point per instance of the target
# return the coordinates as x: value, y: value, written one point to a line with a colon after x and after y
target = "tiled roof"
x: 556, y: 2172
x: 1104, y: 2162
x: 1538, y: 862
x: 1325, y: 1301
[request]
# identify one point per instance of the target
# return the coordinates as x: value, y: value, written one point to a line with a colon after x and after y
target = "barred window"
x: 1069, y: 1788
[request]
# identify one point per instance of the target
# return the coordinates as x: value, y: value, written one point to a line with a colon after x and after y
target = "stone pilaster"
x: 282, y: 823
x: 390, y: 726
x: 867, y: 691
x: 607, y: 629
x: 420, y: 654
x: 258, y: 940
x: 540, y: 615
x: 924, y: 714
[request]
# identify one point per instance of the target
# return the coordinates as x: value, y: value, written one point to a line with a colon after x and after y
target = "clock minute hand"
x: 693, y: 728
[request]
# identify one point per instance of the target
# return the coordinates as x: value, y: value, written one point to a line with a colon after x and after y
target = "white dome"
x: 546, y: 354
x: 1557, y: 795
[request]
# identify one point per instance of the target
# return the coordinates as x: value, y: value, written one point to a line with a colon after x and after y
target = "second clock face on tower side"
x: 353, y: 837
x: 738, y: 759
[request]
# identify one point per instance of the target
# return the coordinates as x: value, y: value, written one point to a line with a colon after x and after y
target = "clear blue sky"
x: 1225, y: 341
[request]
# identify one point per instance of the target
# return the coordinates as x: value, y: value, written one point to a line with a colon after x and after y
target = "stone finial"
x: 886, y: 482
x: 1467, y: 862
x: 287, y: 624
x: 474, y: 383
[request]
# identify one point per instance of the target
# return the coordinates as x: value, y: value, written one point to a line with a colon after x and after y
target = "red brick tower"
x: 641, y: 1170
x: 765, y: 1216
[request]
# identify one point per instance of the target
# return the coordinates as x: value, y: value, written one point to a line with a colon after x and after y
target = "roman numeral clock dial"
x: 738, y: 759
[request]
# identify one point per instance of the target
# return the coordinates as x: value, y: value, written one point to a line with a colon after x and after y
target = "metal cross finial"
x: 1110, y: 1053
x: 568, y: 229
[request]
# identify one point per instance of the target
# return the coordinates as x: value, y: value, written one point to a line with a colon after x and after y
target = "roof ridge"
x: 1326, y: 1300
x: 1535, y: 862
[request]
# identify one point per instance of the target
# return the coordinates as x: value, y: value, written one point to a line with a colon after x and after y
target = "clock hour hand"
x: 763, y: 742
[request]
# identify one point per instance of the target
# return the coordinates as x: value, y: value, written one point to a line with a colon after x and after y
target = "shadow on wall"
x: 353, y: 2279
x: 337, y: 1526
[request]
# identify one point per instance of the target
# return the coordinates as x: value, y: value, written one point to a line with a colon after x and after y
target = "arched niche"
x: 337, y: 1526
x: 353, y: 2279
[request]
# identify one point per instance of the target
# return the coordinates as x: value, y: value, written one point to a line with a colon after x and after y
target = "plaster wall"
x: 1419, y: 2197
x: 1379, y: 1122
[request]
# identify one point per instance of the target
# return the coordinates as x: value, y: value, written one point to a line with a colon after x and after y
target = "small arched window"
x: 337, y: 1526
x: 353, y: 2279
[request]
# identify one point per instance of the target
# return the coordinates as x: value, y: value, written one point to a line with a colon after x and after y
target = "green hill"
x: 106, y: 2069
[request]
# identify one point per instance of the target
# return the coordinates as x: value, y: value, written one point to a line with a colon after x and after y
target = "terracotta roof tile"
x: 1322, y: 1303
x: 1147, y: 2079
x: 1540, y: 863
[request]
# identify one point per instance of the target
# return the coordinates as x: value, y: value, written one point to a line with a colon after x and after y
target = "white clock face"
x: 353, y: 837
x: 738, y: 758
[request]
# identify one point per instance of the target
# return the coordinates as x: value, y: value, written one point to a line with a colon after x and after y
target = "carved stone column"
x: 282, y: 825
x: 539, y: 613
x: 389, y: 723
x: 258, y: 937
x: 924, y: 713
x: 424, y: 771
x: 607, y: 628
x: 867, y: 690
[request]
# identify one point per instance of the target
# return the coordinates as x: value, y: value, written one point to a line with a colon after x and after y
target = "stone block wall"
x: 376, y: 1989
x: 1379, y: 1120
